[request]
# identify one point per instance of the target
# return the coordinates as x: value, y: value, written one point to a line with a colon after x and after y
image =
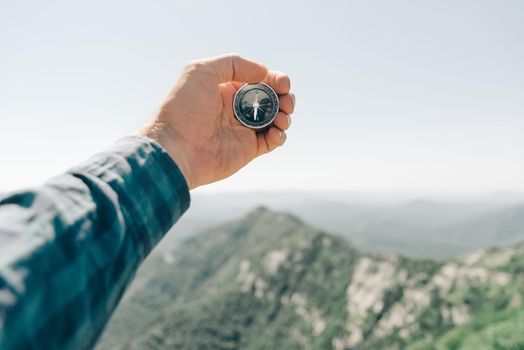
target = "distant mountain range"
x: 271, y: 281
x: 418, y: 228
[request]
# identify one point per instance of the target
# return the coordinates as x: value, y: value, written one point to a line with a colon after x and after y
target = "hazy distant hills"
x: 419, y: 228
x: 430, y: 231
x: 270, y: 281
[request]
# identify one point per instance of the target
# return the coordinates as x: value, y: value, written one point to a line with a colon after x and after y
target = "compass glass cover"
x: 256, y: 106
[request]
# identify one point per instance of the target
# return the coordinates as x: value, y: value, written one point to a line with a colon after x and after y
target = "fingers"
x: 287, y: 103
x: 233, y: 67
x: 270, y: 139
x: 278, y: 81
x: 282, y: 121
x: 274, y: 137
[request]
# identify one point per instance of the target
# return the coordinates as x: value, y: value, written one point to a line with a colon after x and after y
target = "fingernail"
x: 283, y: 136
x: 288, y: 120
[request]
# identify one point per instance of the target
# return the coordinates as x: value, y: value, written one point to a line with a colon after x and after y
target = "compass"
x: 255, y: 105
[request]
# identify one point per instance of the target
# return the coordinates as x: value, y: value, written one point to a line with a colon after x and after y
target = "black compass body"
x: 256, y: 105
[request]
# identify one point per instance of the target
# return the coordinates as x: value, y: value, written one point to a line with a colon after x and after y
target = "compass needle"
x: 255, y: 105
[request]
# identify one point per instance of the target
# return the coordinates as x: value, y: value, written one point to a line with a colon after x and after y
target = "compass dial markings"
x: 256, y: 105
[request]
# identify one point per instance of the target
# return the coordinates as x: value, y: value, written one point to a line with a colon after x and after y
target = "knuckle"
x: 283, y: 121
x: 194, y: 65
x: 287, y: 105
x: 234, y: 57
x: 287, y: 81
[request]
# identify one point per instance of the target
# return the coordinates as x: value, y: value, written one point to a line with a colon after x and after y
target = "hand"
x: 196, y: 124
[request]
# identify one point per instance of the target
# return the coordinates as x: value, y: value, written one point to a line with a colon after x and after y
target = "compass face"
x: 255, y: 105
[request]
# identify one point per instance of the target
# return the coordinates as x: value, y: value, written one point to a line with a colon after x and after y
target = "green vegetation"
x: 269, y: 281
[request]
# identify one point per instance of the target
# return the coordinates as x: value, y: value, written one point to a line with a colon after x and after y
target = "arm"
x: 69, y: 248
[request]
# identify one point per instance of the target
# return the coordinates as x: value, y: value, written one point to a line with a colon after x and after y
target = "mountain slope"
x: 270, y: 281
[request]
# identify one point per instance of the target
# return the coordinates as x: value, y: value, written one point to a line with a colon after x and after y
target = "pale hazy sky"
x: 391, y: 95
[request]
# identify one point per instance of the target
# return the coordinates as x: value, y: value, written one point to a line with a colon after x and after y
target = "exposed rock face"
x: 274, y: 259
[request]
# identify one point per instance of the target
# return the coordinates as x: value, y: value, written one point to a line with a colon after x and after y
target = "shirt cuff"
x: 147, y: 184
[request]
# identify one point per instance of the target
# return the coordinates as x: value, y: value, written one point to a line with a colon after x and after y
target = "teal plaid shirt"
x: 69, y: 248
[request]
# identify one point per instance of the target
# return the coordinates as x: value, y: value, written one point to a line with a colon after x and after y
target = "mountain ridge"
x: 270, y: 280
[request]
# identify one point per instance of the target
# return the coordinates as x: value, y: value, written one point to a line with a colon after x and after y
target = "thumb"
x: 233, y: 67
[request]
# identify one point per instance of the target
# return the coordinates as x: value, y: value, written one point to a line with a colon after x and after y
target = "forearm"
x: 71, y: 246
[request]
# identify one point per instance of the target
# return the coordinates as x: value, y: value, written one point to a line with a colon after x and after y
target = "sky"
x: 424, y: 96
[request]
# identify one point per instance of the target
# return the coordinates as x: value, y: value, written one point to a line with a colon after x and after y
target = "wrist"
x: 173, y: 146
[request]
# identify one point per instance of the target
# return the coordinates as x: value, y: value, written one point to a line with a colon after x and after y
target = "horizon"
x: 358, y: 195
x: 277, y: 199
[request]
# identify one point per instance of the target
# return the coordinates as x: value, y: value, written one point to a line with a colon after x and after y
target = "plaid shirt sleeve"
x: 69, y: 248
